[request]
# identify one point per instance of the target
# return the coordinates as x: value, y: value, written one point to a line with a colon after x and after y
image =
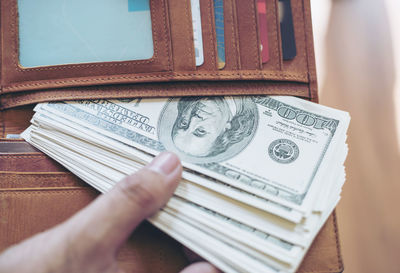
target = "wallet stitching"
x: 279, y: 75
x: 39, y: 191
x: 207, y: 90
x: 164, y: 32
x: 2, y: 122
x: 233, y: 36
x: 330, y: 270
x: 339, y: 257
x: 277, y: 29
x: 211, y: 31
x: 16, y: 101
x: 188, y: 32
x: 13, y: 156
x: 256, y: 49
x: 304, y: 55
x: 306, y: 35
x: 236, y: 33
x: 33, y: 174
x: 310, y: 58
x: 14, y: 33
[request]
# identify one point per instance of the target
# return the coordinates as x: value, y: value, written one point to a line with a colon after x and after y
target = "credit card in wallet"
x: 197, y: 34
x: 287, y: 30
x: 71, y: 32
x: 220, y: 31
x: 263, y: 30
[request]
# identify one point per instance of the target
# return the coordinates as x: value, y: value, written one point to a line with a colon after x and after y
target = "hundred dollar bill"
x: 66, y: 131
x: 109, y: 170
x: 269, y: 146
x: 86, y: 175
x: 97, y: 174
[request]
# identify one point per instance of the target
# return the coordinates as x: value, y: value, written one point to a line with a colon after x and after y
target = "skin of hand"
x: 90, y: 240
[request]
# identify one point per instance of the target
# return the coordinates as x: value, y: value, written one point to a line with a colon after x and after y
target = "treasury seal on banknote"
x: 207, y: 129
x: 283, y: 151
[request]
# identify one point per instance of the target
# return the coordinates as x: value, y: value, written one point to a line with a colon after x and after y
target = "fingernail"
x: 164, y: 163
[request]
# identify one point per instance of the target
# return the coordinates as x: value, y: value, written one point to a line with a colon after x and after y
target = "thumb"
x: 111, y: 218
x: 201, y: 267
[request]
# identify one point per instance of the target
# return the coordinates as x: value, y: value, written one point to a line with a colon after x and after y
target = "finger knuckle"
x: 142, y: 189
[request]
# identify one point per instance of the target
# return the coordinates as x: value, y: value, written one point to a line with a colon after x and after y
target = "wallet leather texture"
x: 36, y: 193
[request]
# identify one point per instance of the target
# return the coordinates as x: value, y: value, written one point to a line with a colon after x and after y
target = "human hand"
x: 89, y: 241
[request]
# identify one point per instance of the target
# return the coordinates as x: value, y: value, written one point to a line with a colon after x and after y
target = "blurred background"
x: 357, y: 44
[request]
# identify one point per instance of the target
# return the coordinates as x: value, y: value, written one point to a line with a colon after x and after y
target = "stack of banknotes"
x: 261, y: 174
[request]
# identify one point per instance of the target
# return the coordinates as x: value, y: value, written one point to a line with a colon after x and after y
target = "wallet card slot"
x: 299, y: 62
x: 210, y: 48
x: 274, y: 39
x: 249, y: 43
x: 231, y: 36
x: 180, y: 18
x: 15, y: 77
x: 209, y: 36
x: 92, y: 31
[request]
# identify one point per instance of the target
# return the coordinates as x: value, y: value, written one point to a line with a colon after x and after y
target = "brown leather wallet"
x: 37, y: 193
x: 172, y: 70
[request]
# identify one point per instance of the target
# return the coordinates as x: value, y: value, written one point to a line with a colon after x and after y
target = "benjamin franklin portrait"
x: 207, y: 129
